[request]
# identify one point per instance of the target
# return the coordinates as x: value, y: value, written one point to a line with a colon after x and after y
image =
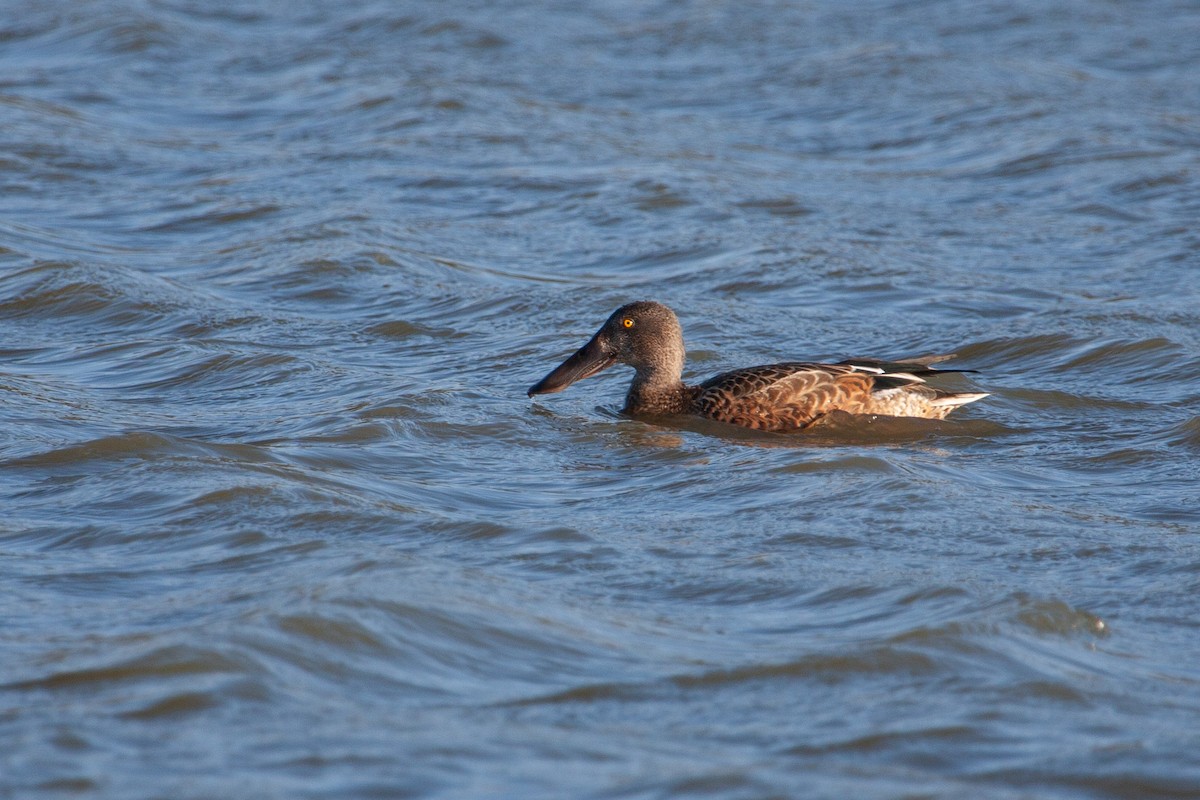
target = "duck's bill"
x: 587, y: 361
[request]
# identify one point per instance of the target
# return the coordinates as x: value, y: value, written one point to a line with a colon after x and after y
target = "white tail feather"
x: 960, y: 399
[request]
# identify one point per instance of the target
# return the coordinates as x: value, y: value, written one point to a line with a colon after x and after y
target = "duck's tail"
x: 952, y: 400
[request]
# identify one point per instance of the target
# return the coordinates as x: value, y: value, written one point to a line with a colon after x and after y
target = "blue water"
x: 279, y: 520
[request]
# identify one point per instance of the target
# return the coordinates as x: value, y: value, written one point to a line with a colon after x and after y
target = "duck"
x: 788, y: 396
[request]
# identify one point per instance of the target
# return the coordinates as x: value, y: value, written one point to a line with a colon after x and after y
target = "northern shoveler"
x: 776, y: 397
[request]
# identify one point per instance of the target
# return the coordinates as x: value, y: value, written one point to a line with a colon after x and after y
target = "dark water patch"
x: 108, y: 297
x: 1149, y: 188
x: 441, y: 650
x: 135, y: 445
x: 1128, y: 360
x: 167, y: 662
x: 823, y: 669
x: 827, y: 669
x: 1103, y: 211
x: 851, y: 463
x: 229, y: 375
x: 220, y: 218
x: 175, y: 707
x: 1186, y: 434
x: 777, y: 206
x: 342, y: 635
x: 400, y: 329
x: 1053, y: 398
x: 1065, y: 154
x: 68, y: 785
x: 131, y: 306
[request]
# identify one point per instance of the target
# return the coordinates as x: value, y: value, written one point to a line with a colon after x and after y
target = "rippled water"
x: 279, y: 520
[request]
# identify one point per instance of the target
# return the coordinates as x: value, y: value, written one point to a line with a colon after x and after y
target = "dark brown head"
x: 645, y: 335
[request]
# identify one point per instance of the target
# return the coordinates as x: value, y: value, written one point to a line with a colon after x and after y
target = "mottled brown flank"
x: 789, y: 396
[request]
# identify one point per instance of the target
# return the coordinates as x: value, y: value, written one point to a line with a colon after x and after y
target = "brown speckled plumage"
x: 774, y: 397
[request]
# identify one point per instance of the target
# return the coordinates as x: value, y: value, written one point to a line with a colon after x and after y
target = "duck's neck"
x: 658, y: 389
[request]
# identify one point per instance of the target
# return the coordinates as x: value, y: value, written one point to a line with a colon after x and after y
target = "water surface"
x: 279, y: 520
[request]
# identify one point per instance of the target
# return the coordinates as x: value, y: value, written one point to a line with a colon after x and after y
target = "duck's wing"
x: 793, y: 394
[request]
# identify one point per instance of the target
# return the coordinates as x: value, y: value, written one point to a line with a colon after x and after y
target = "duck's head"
x: 645, y: 335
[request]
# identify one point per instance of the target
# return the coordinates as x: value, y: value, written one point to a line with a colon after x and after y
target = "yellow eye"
x: 627, y: 322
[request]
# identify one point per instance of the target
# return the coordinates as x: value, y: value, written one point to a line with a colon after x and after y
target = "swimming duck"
x: 776, y: 397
